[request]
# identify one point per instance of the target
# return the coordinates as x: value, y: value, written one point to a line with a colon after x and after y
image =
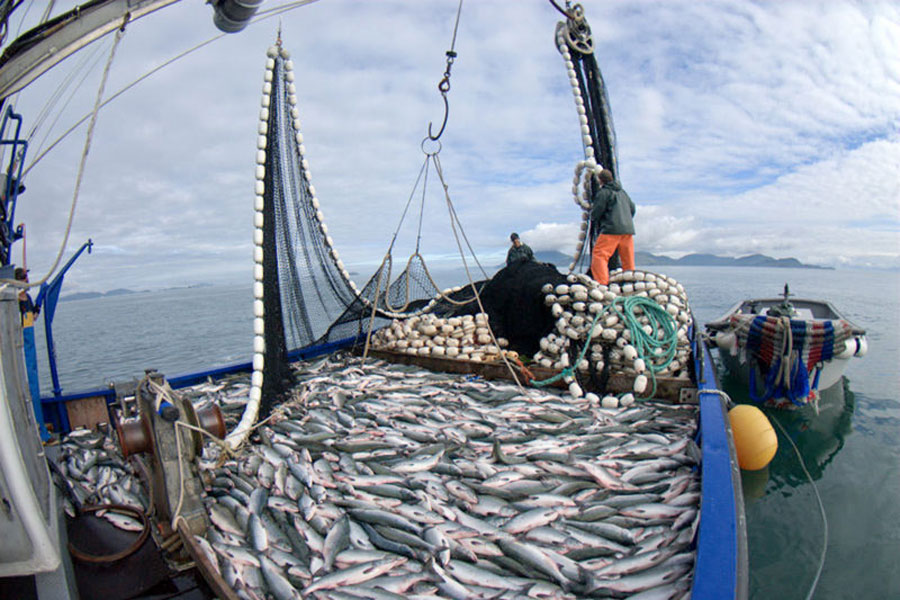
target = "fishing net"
x: 575, y: 41
x: 515, y: 303
x: 309, y: 298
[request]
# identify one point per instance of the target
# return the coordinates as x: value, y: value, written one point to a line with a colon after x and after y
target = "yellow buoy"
x: 754, y: 439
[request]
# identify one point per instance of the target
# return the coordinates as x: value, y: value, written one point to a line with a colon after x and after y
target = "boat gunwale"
x: 723, y: 322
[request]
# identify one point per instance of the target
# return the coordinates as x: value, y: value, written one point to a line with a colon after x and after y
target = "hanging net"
x: 576, y: 46
x: 304, y: 294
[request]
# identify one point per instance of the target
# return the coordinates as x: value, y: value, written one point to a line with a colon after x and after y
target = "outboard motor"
x: 233, y: 15
x: 785, y: 309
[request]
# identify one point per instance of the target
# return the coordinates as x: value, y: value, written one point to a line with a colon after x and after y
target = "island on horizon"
x: 642, y: 259
x: 125, y: 292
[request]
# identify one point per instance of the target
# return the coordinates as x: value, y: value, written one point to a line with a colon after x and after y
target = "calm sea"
x: 851, y: 449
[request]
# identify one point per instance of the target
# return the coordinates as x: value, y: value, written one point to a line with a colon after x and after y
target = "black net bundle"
x: 515, y: 303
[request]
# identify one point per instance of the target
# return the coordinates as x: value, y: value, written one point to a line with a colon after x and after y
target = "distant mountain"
x: 712, y: 260
x: 80, y: 296
x: 119, y: 292
x: 642, y: 259
x: 89, y: 295
x: 552, y: 256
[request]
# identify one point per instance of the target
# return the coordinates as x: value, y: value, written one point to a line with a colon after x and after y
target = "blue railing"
x: 720, y: 570
x: 54, y: 406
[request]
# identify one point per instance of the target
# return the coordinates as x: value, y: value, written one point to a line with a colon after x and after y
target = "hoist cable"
x: 444, y: 85
x: 422, y: 207
x: 84, y: 154
x: 261, y: 16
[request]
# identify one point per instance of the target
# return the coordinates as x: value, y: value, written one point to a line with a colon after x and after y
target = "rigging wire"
x: 412, y: 193
x: 565, y: 13
x: 84, y: 154
x: 260, y: 16
x: 95, y: 56
x: 422, y: 209
x: 61, y: 110
x: 475, y: 292
x: 444, y: 85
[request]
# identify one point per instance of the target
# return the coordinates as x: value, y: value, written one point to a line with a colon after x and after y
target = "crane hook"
x: 444, y: 85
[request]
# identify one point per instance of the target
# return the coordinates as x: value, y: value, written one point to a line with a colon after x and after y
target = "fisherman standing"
x: 612, y: 211
x: 518, y: 251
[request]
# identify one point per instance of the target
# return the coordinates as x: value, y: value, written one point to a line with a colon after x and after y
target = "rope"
x: 260, y: 16
x: 645, y: 344
x: 113, y: 557
x: 394, y: 311
x: 462, y: 254
x: 815, y: 488
x: 374, y: 309
x: 84, y: 154
x: 569, y: 371
x: 729, y: 403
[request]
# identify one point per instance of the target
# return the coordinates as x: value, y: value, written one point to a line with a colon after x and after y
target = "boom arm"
x: 38, y: 50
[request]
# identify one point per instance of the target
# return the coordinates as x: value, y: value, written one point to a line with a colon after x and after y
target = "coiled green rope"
x: 657, y: 351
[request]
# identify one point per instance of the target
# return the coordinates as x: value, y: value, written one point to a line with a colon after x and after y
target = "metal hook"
x: 444, y: 124
x: 444, y: 85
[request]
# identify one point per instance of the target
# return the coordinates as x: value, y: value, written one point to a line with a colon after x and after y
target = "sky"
x: 742, y: 127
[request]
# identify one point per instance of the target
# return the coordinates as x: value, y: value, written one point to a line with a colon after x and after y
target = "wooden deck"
x: 673, y: 389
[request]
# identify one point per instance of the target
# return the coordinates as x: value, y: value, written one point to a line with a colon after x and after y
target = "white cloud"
x: 742, y: 127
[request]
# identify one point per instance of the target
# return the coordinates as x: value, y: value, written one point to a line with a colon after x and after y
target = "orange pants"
x: 604, y: 248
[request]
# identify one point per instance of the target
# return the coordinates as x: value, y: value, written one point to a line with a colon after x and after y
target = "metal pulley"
x: 165, y: 439
x: 578, y: 32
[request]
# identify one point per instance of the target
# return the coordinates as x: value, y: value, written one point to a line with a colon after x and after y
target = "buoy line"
x: 815, y: 488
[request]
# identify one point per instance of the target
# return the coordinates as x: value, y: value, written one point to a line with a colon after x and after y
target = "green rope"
x: 570, y: 370
x: 648, y: 344
x: 645, y: 344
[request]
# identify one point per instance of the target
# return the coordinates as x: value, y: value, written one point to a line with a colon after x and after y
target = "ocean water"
x: 851, y: 449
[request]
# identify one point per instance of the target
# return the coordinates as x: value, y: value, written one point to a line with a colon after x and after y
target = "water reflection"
x: 818, y: 436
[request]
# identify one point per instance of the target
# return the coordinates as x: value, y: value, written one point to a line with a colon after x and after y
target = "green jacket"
x: 516, y: 254
x: 612, y: 210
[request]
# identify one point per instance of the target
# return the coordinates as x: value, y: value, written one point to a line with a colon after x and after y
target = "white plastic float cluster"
x: 585, y: 168
x: 575, y: 306
x: 423, y: 311
x: 462, y: 338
